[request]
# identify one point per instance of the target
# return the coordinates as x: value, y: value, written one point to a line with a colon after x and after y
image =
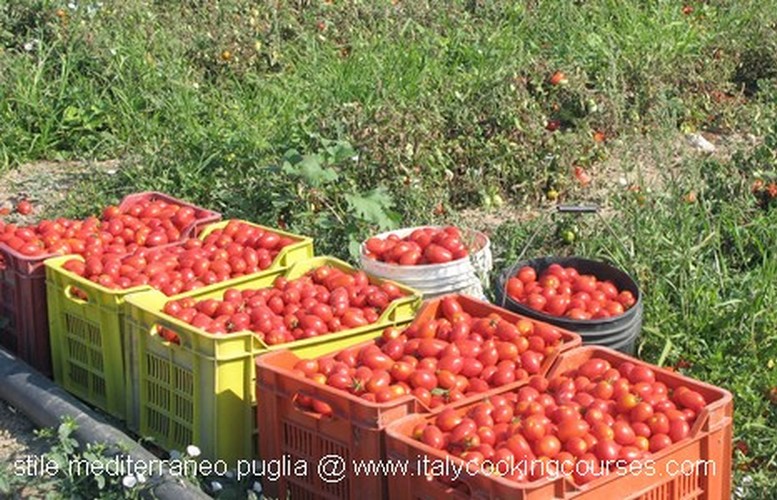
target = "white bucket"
x: 468, y: 275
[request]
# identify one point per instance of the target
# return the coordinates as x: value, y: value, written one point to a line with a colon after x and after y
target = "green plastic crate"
x: 203, y: 391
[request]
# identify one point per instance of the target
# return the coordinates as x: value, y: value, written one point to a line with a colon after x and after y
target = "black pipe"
x: 45, y: 403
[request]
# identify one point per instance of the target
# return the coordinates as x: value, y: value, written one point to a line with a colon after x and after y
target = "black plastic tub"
x: 619, y: 333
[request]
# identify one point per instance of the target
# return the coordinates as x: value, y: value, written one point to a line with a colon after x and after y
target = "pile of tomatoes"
x: 439, y: 360
x: 581, y: 423
x: 326, y: 300
x: 146, y: 223
x: 236, y: 250
x: 426, y: 245
x: 562, y: 291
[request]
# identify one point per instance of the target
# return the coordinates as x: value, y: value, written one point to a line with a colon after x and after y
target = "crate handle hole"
x: 305, y: 404
x: 76, y: 294
x: 165, y: 335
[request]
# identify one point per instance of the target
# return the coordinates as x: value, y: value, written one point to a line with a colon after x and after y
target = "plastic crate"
x: 356, y: 429
x: 203, y: 216
x: 24, y: 328
x: 710, y: 439
x: 89, y: 346
x: 203, y: 391
x: 24, y: 323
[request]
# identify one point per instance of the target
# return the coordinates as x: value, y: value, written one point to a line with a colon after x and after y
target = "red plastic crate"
x: 24, y: 324
x: 203, y: 216
x: 24, y: 327
x: 356, y: 429
x: 710, y: 439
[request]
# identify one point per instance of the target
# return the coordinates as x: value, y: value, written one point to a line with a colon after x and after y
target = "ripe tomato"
x: 436, y: 254
x: 658, y: 442
x: 569, y: 428
x: 515, y: 288
x: 433, y: 437
x: 24, y: 207
x: 678, y: 430
x: 689, y: 399
x: 527, y: 274
x: 623, y: 433
x: 548, y: 446
x: 536, y: 301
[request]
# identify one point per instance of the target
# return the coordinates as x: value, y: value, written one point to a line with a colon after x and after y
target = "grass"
x: 445, y: 105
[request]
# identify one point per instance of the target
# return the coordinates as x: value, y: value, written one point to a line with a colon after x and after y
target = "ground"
x: 17, y: 441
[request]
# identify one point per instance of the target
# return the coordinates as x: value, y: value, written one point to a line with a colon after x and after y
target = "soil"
x: 45, y: 184
x: 17, y: 442
x: 648, y: 164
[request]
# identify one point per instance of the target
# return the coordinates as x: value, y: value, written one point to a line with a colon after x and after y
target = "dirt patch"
x: 648, y: 164
x: 488, y: 220
x: 655, y: 164
x: 17, y: 442
x: 46, y: 184
x: 17, y: 437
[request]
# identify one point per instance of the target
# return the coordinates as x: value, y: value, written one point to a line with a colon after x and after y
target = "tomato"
x: 658, y: 423
x: 678, y: 430
x: 577, y: 446
x: 627, y: 401
x: 450, y: 307
x: 322, y: 408
x: 607, y: 450
x: 587, y: 469
x: 339, y: 381
x: 447, y: 419
x: 527, y: 274
x: 602, y: 431
x: 641, y: 412
x: 658, y: 442
x: 424, y: 379
x: 629, y: 454
x: 436, y: 254
x: 641, y: 373
x: 626, y: 298
x: 515, y: 288
x: 433, y: 437
x: 534, y: 427
x: 623, y: 433
x: 689, y: 399
x: 380, y: 380
x: 376, y: 246
x: 519, y: 447
x: 536, y: 301
x: 548, y: 446
x: 572, y: 428
x: 557, y: 305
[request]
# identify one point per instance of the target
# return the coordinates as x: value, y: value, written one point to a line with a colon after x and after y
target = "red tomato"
x: 436, y: 254
x: 527, y: 274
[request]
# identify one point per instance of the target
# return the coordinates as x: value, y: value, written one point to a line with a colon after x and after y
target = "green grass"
x: 445, y: 103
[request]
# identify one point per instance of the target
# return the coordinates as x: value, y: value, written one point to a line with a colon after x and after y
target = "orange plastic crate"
x: 710, y: 440
x: 356, y: 431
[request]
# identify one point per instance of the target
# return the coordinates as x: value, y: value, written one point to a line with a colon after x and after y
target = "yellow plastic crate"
x: 203, y: 391
x: 89, y: 348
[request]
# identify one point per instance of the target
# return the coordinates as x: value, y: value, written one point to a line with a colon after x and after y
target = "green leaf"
x: 354, y: 247
x: 340, y: 152
x: 373, y: 208
x: 311, y: 171
x: 292, y: 156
